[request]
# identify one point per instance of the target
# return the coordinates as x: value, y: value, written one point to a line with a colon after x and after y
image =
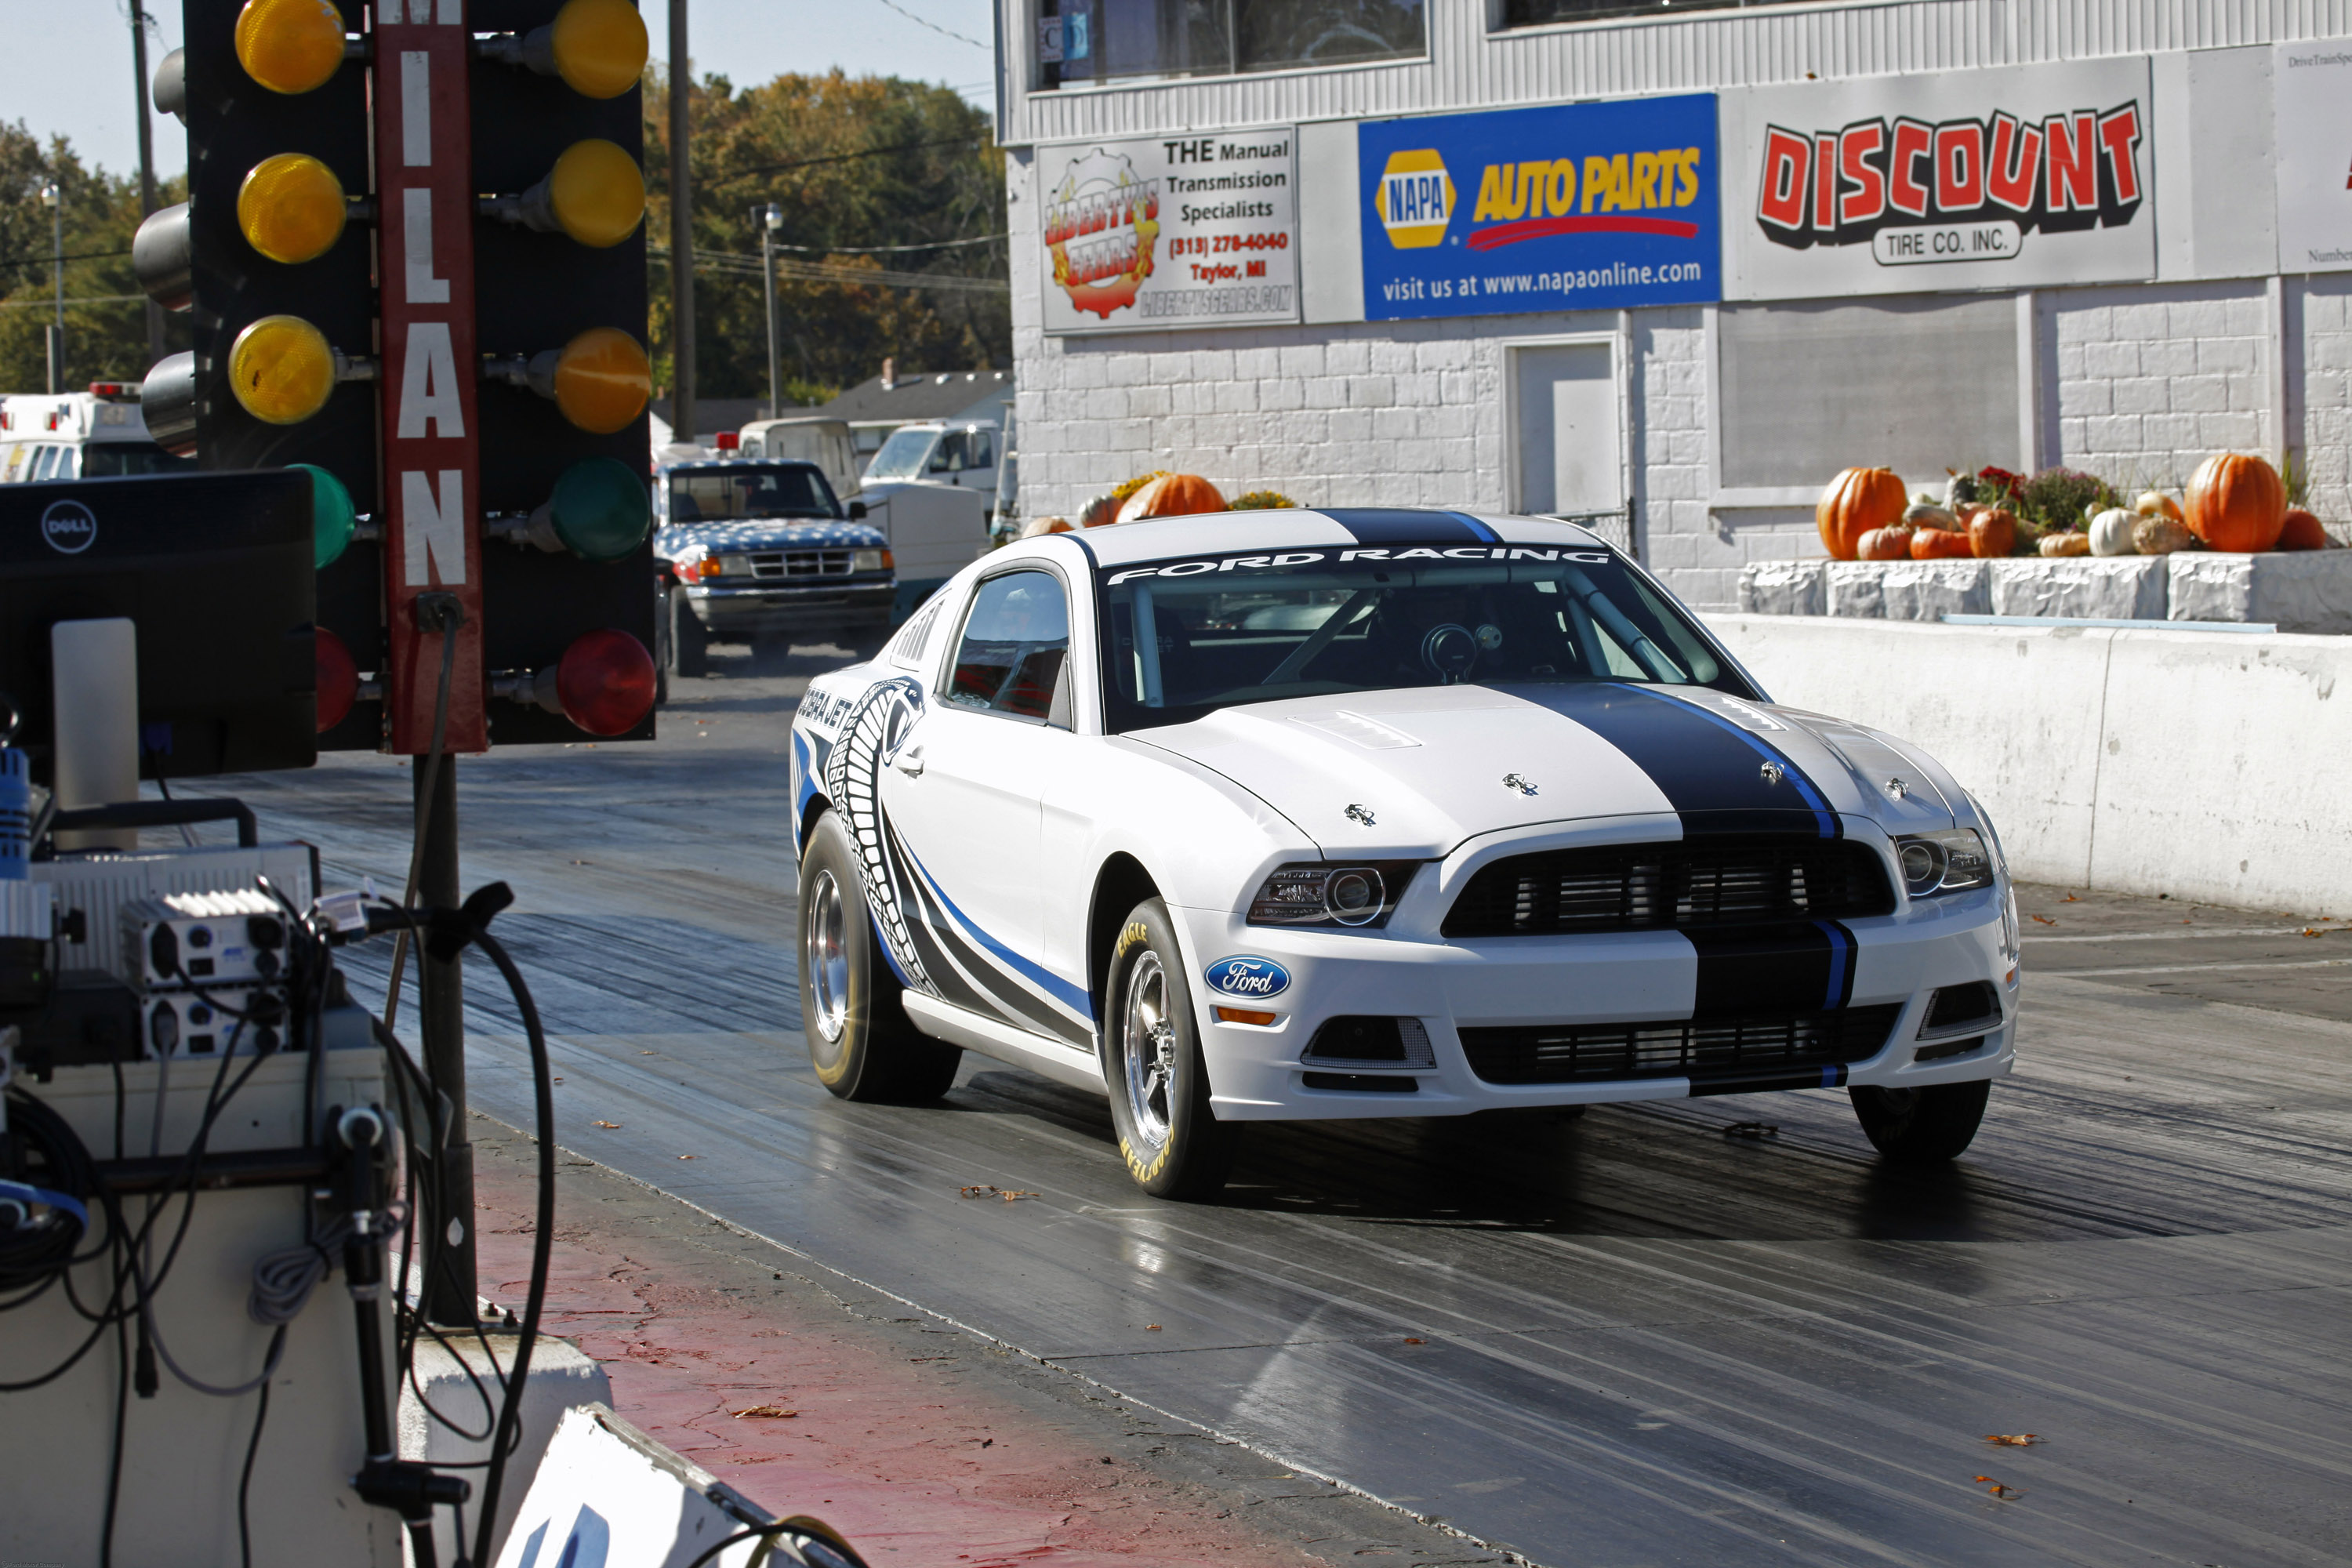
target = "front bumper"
x: 1262, y: 1072
x: 758, y: 608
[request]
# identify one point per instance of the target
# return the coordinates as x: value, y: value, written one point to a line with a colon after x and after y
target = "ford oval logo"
x: 1248, y: 977
x: 70, y: 527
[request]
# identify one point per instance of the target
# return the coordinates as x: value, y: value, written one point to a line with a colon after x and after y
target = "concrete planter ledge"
x: 2302, y: 591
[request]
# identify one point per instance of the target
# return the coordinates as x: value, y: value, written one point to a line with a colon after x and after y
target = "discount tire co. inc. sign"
x: 1994, y: 179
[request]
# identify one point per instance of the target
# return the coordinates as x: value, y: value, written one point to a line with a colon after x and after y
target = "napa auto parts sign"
x: 1192, y: 231
x: 1996, y: 179
x: 1575, y: 207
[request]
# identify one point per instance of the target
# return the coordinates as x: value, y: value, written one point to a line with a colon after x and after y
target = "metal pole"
x: 55, y: 194
x: 450, y: 1296
x: 146, y: 161
x: 771, y: 220
x: 681, y: 229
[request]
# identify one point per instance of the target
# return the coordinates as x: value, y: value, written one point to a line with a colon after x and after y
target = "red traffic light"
x: 339, y: 680
x: 603, y: 683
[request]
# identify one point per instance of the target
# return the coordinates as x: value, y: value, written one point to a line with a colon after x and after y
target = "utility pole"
x: 773, y: 219
x: 682, y: 230
x: 54, y: 198
x: 146, y: 161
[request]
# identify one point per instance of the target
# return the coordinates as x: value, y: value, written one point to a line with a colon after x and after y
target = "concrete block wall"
x: 2320, y: 391
x: 2150, y: 380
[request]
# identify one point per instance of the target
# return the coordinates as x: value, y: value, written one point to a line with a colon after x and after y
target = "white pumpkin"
x: 2111, y: 533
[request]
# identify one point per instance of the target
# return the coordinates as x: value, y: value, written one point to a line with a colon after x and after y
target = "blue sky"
x: 67, y: 66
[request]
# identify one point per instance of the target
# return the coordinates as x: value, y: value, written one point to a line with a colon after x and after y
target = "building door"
x: 1570, y: 453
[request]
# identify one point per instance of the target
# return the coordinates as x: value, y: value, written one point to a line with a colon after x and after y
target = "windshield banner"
x: 1200, y: 231
x: 1578, y: 206
x: 1990, y: 179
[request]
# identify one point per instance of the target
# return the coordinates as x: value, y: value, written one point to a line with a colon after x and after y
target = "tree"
x: 855, y: 163
x: 106, y: 336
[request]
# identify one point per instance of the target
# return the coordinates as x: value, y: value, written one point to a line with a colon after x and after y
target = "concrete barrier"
x: 2204, y: 765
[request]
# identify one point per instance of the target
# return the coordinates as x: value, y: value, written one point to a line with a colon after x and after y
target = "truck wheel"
x: 1173, y: 1142
x: 1921, y: 1126
x: 689, y: 645
x: 859, y: 1039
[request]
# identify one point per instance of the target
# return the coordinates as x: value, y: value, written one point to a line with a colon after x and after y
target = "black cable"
x: 425, y: 785
x: 121, y: 1417
x: 245, y: 1481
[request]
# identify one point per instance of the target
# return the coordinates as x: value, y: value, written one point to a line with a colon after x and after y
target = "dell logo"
x: 70, y: 527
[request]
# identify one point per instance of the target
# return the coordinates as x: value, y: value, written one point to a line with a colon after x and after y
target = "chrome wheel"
x: 1146, y: 1049
x: 824, y: 949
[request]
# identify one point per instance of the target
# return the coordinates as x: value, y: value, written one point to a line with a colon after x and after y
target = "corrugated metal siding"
x: 1470, y: 68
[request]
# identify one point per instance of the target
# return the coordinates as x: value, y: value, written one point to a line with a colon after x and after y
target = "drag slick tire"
x: 1921, y: 1126
x: 1174, y: 1144
x: 859, y: 1039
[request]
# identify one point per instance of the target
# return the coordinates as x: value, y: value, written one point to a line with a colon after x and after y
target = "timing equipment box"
x: 243, y: 1020
x: 180, y: 940
x: 97, y: 886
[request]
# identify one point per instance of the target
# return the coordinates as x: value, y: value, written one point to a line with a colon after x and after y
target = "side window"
x: 907, y: 651
x: 46, y: 464
x: 1014, y: 642
x: 947, y: 453
x: 983, y: 450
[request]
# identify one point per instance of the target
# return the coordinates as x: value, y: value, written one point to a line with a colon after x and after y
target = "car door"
x: 962, y: 792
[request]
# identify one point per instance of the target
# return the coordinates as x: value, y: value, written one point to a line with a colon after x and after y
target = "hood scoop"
x: 1368, y: 733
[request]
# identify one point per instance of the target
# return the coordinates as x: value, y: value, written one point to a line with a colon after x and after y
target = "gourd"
x: 1939, y: 544
x: 1099, y: 511
x: 1928, y: 514
x: 2237, y: 502
x: 1173, y: 495
x: 2155, y: 503
x: 1992, y: 533
x: 2111, y: 533
x: 1891, y: 543
x: 2067, y: 544
x: 1856, y: 501
x: 2161, y: 535
x: 2302, y: 532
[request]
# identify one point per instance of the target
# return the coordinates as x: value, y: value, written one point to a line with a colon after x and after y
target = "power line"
x: 33, y: 258
x: 865, y: 153
x: 85, y: 299
x: 725, y: 261
x: 879, y: 250
x: 934, y: 27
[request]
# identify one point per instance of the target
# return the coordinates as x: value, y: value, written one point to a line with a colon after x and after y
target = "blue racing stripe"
x: 1840, y: 980
x: 1061, y: 990
x: 1398, y: 525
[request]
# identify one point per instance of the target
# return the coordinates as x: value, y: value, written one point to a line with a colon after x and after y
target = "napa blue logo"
x: 1248, y: 977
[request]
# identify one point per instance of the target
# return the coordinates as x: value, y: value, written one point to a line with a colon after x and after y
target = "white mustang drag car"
x: 1281, y: 815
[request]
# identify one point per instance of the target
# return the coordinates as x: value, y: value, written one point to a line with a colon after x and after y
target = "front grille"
x: 1956, y: 1007
x: 800, y: 563
x: 1350, y: 1039
x: 1602, y: 1053
x: 1743, y: 881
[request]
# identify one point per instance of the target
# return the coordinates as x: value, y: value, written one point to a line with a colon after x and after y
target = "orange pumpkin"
x: 1174, y: 495
x: 1891, y: 543
x: 2302, y: 532
x: 1856, y: 501
x: 1939, y: 544
x: 1992, y: 533
x: 2237, y: 503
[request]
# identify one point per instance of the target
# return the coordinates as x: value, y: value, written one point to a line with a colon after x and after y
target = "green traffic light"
x: 600, y: 509
x: 333, y: 518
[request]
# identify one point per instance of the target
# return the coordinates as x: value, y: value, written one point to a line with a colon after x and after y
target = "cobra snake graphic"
x: 868, y: 740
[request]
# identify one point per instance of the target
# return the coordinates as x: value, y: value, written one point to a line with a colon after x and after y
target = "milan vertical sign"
x: 432, y: 473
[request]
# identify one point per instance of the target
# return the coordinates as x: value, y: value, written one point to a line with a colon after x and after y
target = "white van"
x: 941, y: 452
x: 824, y: 442
x: 79, y: 436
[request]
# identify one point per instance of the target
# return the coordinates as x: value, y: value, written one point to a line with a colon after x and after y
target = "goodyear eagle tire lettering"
x: 1168, y: 1135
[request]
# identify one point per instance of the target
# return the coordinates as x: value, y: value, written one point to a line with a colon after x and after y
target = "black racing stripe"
x: 1398, y: 525
x: 937, y: 942
x: 1800, y: 967
x: 1710, y: 770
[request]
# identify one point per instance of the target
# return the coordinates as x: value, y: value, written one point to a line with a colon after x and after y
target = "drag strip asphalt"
x: 1705, y: 1331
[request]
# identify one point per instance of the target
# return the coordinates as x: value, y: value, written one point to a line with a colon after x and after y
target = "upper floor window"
x: 1537, y: 12
x: 1103, y: 41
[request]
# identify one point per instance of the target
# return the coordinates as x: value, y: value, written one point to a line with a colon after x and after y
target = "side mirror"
x: 857, y: 510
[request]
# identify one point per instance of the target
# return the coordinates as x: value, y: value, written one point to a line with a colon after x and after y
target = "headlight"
x: 1314, y: 894
x: 1943, y: 862
x: 869, y: 559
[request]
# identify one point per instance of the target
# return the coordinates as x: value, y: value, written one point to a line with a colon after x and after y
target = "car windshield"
x: 105, y: 459
x: 741, y: 491
x: 902, y: 457
x: 1318, y: 623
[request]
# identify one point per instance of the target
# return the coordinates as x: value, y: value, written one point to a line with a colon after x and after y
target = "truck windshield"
x: 902, y: 457
x: 104, y: 459
x: 741, y: 491
x: 1316, y: 623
